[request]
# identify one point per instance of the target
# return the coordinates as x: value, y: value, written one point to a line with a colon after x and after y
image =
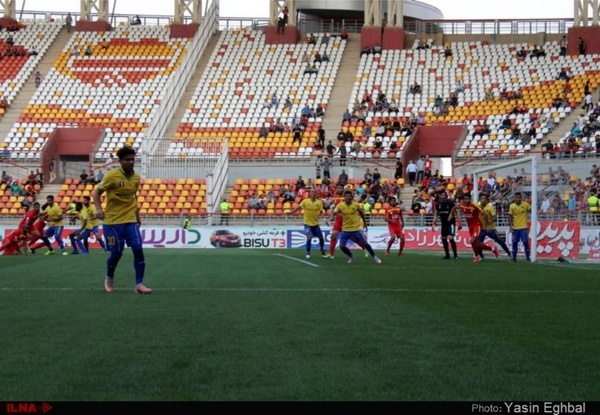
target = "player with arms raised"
x: 395, y: 221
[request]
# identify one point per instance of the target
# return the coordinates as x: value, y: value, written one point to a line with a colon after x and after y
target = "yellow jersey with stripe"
x: 519, y: 214
x: 351, y: 218
x: 54, y: 211
x: 121, y: 197
x: 489, y: 217
x: 312, y: 211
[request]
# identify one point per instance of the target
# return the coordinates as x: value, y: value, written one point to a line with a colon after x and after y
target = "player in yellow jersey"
x: 489, y: 224
x: 94, y: 221
x: 352, y: 214
x: 77, y: 237
x: 54, y: 215
x: 517, y: 213
x: 313, y: 208
x: 121, y: 218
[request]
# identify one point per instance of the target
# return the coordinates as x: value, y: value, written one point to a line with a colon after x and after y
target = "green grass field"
x: 264, y: 325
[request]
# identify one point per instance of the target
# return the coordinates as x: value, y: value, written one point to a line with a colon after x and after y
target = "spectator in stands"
x: 330, y: 149
x: 311, y: 39
x: 366, y: 50
x: 297, y: 133
x: 5, y: 153
x: 344, y: 34
x: 548, y: 149
x: 588, y: 102
x: 421, y: 44
x: 98, y: 177
x: 15, y: 188
x: 310, y: 69
x: 74, y: 51
x: 280, y: 25
x: 274, y: 100
x: 10, y: 41
x: 83, y: 177
x: 3, y: 103
x: 263, y: 131
x: 285, y: 14
x: 88, y: 51
x: 317, y: 58
x: 522, y: 53
x: 31, y: 179
x: 581, y: 46
x: 320, y: 137
x: 325, y: 57
x: 305, y: 58
x: 447, y: 52
x: 377, y: 48
x: 325, y: 39
x: 563, y: 46
x: 38, y: 78
x: 342, y: 178
x: 69, y: 22
x: 5, y: 179
x: 342, y: 151
x: 136, y: 21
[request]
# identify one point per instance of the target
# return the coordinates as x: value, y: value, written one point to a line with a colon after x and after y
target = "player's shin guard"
x: 139, y: 264
x: 112, y: 262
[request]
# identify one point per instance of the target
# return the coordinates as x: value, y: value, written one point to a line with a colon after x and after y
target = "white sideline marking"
x: 299, y: 260
x: 357, y: 290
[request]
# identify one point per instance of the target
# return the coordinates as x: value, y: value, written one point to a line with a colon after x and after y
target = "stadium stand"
x: 243, y: 73
x: 117, y: 88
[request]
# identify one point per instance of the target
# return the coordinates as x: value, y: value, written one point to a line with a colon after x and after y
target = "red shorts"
x: 396, y: 230
x: 475, y: 231
x: 337, y: 225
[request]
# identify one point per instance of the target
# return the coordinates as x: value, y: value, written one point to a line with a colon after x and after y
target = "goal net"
x: 555, y: 229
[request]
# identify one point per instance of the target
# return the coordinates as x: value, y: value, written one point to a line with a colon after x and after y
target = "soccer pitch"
x: 270, y: 325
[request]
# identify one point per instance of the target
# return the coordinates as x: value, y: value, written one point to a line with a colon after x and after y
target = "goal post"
x: 532, y: 169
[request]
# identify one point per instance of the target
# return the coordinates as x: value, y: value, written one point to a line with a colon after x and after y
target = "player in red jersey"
x: 395, y: 221
x: 36, y: 234
x: 473, y: 215
x: 14, y: 240
x: 337, y: 225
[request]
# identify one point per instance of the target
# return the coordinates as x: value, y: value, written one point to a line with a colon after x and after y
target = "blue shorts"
x: 85, y: 234
x: 96, y: 230
x: 55, y: 231
x: 520, y: 235
x: 117, y: 235
x: 492, y: 234
x: 356, y: 236
x: 313, y: 231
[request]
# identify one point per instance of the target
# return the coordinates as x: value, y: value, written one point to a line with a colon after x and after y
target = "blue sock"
x: 139, y: 264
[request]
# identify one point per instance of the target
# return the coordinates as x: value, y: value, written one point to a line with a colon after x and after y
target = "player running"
x: 395, y: 221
